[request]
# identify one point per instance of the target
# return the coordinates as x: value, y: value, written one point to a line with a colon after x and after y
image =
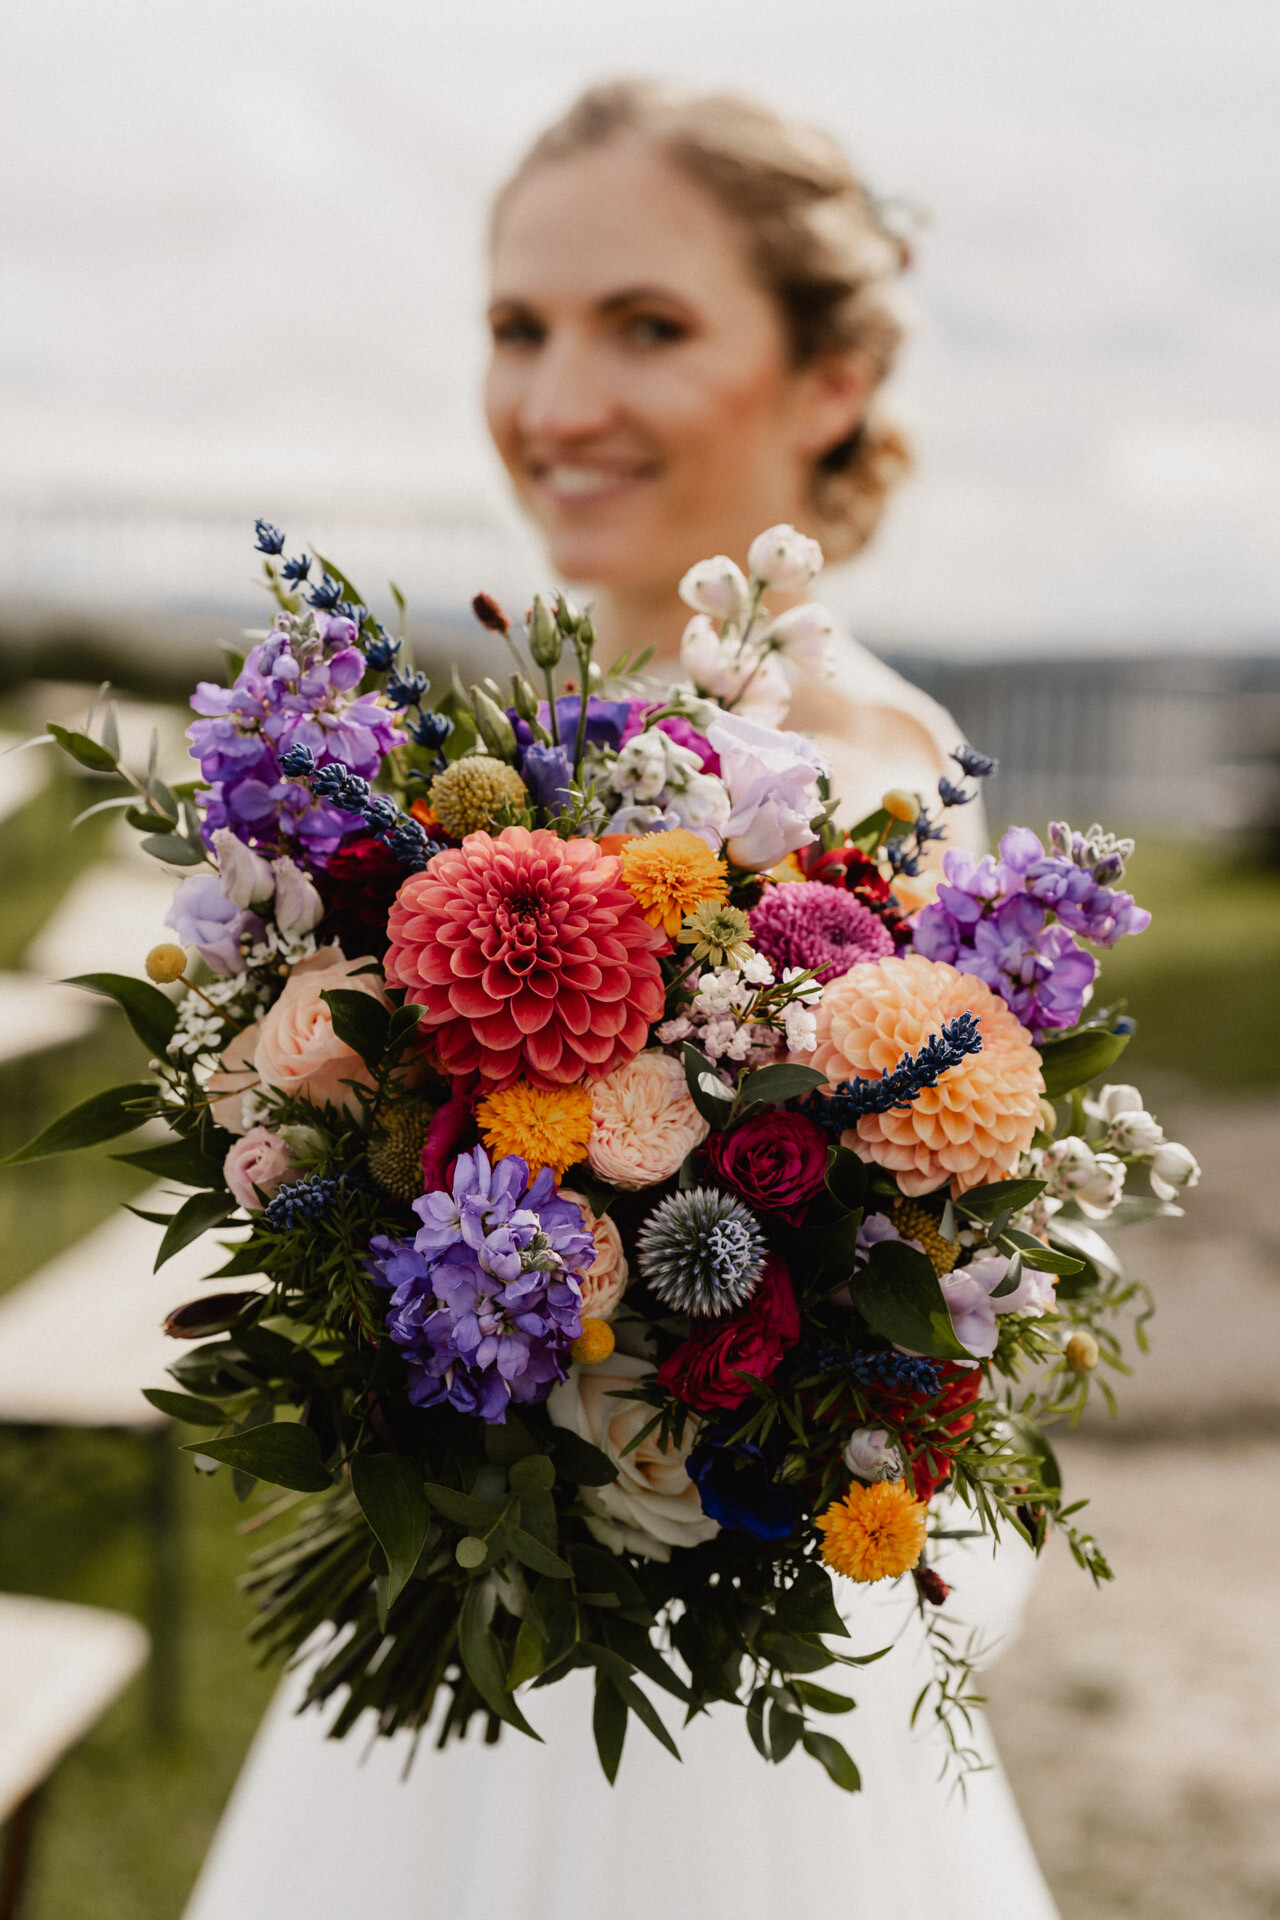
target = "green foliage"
x: 392, y: 1501
x: 898, y: 1295
x: 103, y: 1116
x: 150, y: 1013
x: 284, y: 1454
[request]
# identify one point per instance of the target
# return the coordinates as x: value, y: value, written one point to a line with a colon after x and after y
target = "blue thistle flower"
x: 702, y: 1251
x: 296, y: 570
x: 381, y: 652
x: 903, y: 1084
x: 406, y: 690
x: 976, y: 765
x: 268, y: 539
x: 431, y: 729
x: 325, y: 597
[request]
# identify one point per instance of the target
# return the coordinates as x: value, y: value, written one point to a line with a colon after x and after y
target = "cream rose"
x: 653, y: 1505
x: 605, y: 1280
x: 294, y: 1049
x: 643, y: 1122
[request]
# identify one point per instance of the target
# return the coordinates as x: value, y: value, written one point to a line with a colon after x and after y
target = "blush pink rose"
x: 643, y: 1122
x: 257, y: 1163
x: 605, y: 1280
x: 294, y: 1049
x: 298, y: 1051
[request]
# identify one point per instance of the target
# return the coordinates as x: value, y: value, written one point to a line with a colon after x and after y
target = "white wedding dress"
x: 332, y: 1830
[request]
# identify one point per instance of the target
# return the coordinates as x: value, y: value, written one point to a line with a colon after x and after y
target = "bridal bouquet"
x: 650, y: 1198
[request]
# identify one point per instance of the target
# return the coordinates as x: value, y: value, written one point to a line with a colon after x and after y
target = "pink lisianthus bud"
x: 256, y: 1165
x: 244, y: 875
x: 783, y: 559
x: 717, y: 587
x: 772, y: 779
x: 806, y: 635
x: 299, y: 907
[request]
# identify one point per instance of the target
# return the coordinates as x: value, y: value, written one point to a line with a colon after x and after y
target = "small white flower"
x: 1099, y: 1195
x: 678, y: 1029
x: 1113, y: 1101
x: 801, y: 1028
x: 1135, y: 1132
x: 1067, y: 1165
x: 717, y: 1036
x: 1173, y: 1170
x: 740, y: 1045
x: 784, y: 559
x: 806, y: 635
x: 717, y: 587
x: 756, y: 968
x: 869, y: 1454
x: 802, y: 989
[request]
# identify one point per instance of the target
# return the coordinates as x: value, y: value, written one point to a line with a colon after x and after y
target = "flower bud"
x: 1136, y: 1132
x: 493, y: 725
x: 245, y: 877
x: 717, y: 587
x: 1081, y: 1353
x: 594, y: 1344
x: 901, y: 805
x: 931, y: 1586
x: 806, y: 635
x: 299, y: 907
x: 784, y: 559
x: 523, y: 698
x: 545, y: 643
x: 1173, y: 1168
x: 489, y: 613
x: 870, y: 1455
x: 166, y: 963
x: 1113, y: 1101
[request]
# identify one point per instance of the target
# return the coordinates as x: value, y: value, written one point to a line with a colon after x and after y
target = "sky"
x: 242, y: 271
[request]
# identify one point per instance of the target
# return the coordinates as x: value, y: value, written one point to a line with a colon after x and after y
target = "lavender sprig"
x: 915, y: 1072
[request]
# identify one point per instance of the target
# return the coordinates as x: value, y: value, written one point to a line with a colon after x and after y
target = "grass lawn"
x: 128, y: 1817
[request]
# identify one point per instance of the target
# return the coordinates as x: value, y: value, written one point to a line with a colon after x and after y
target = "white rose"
x: 784, y: 559
x: 1173, y: 1169
x: 806, y: 635
x: 244, y: 876
x: 653, y: 1505
x: 717, y: 587
x: 299, y: 908
x: 870, y: 1455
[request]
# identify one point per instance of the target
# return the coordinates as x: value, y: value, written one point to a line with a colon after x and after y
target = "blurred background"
x: 241, y: 273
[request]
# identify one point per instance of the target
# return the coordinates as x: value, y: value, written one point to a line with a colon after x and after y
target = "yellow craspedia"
x: 546, y: 1126
x: 1082, y: 1353
x: 593, y: 1344
x: 166, y: 963
x: 669, y: 874
x: 875, y: 1533
x: 917, y: 1221
x: 466, y: 796
x: 901, y: 805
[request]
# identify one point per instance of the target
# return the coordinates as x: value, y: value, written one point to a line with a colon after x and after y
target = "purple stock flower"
x: 298, y: 687
x: 486, y: 1300
x: 1038, y: 969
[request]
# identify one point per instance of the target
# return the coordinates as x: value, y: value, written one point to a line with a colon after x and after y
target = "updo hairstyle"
x: 815, y: 243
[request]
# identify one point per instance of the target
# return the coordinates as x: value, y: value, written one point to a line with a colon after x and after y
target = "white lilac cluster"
x: 201, y: 1026
x: 744, y: 1013
x: 1090, y: 1169
x: 660, y: 784
x: 731, y: 651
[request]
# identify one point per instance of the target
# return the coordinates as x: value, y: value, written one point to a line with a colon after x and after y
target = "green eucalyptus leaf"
x: 183, y: 1159
x: 284, y: 1454
x: 898, y: 1295
x: 999, y: 1196
x: 150, y: 1013
x: 389, y: 1493
x: 174, y: 850
x: 697, y: 1070
x: 770, y: 1086
x: 98, y: 759
x: 185, y: 1407
x: 194, y: 1217
x: 104, y: 1116
x: 482, y: 1656
x: 535, y: 1473
x: 531, y: 1553
x: 609, y: 1725
x: 581, y: 1463
x: 360, y: 1022
x: 834, y: 1758
x: 808, y: 1604
x: 462, y: 1508
x: 1078, y: 1058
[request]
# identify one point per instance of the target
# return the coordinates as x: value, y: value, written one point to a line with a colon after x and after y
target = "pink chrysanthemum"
x: 820, y: 927
x: 529, y: 957
x: 978, y: 1121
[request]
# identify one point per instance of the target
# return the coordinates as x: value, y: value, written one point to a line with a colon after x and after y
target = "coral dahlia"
x: 529, y: 957
x: 976, y: 1123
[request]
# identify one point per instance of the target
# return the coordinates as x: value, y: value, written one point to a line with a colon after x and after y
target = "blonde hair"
x: 816, y: 244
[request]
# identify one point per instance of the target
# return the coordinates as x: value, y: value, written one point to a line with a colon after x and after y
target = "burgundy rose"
x: 776, y: 1161
x: 703, y: 1371
x: 358, y: 886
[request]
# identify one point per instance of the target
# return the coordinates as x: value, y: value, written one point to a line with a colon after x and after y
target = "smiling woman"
x: 690, y: 320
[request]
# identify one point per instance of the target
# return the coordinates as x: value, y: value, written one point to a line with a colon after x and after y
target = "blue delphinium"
x: 736, y: 1487
x: 486, y: 1300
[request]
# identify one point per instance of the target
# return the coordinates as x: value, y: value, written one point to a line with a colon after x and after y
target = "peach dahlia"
x: 529, y: 957
x: 976, y: 1123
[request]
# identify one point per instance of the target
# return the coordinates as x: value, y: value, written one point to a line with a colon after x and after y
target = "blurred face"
x: 640, y: 390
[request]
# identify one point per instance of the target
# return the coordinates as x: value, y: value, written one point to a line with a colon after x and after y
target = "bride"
x: 691, y: 317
